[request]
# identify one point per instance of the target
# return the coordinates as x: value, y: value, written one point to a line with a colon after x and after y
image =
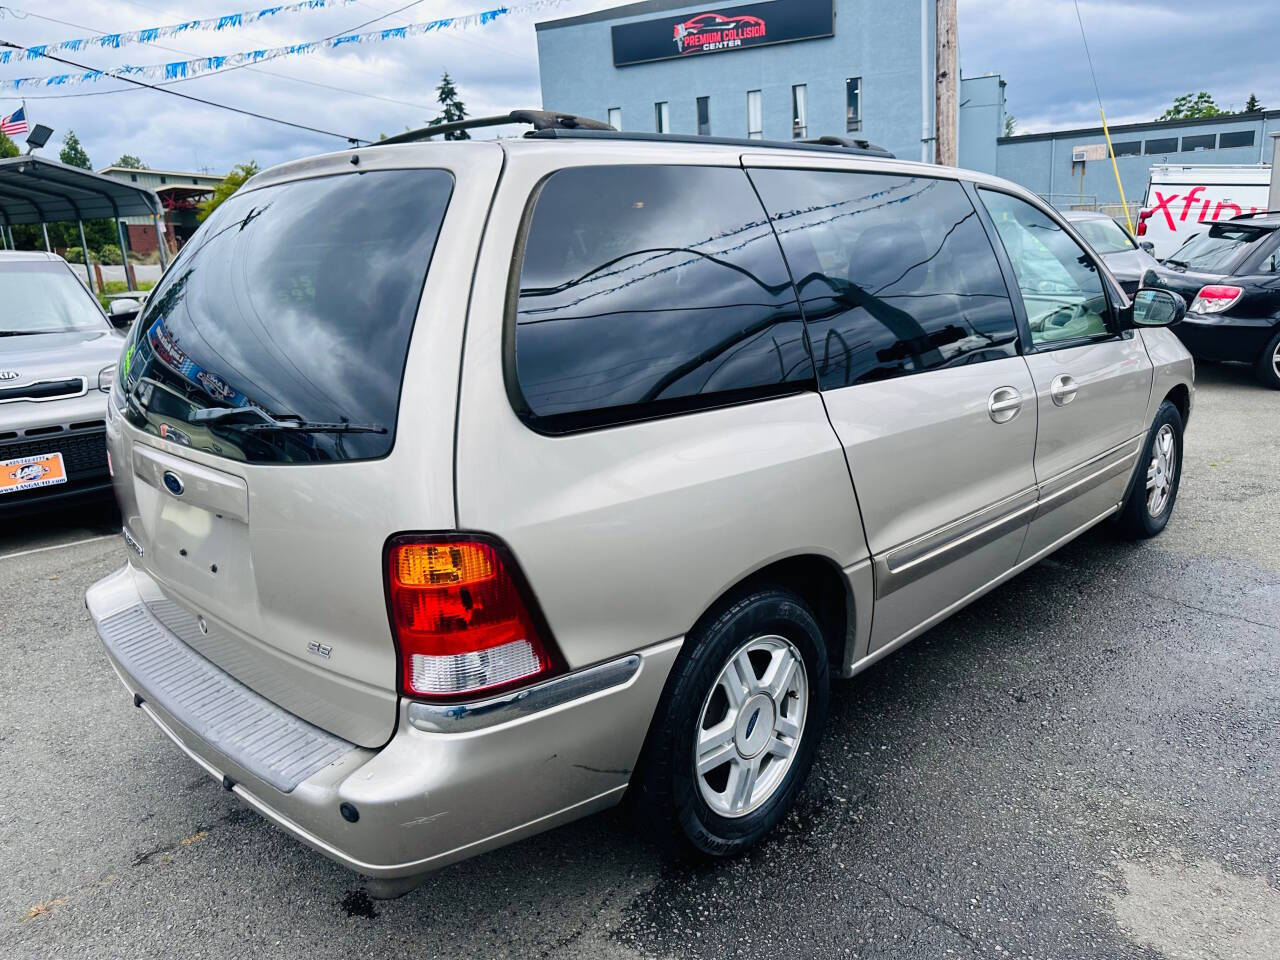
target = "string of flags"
x: 114, y: 41
x: 184, y: 69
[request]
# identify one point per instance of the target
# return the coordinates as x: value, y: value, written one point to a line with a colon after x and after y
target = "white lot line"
x: 57, y: 546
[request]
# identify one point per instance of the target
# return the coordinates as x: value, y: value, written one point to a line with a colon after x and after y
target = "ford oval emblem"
x: 173, y: 483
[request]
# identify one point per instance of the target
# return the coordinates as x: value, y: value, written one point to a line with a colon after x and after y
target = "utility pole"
x: 946, y: 122
x: 1273, y: 196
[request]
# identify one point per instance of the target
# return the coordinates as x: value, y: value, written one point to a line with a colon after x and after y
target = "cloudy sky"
x: 1146, y: 52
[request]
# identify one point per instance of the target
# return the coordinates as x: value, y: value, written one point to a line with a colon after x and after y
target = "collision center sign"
x: 718, y: 29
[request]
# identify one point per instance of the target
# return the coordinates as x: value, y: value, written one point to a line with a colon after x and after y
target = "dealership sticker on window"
x: 28, y: 473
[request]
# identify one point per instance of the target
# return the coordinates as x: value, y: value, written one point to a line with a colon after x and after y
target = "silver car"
x: 472, y: 486
x: 1127, y: 259
x: 58, y: 355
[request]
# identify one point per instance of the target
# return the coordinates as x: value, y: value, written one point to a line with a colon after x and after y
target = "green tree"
x: 233, y: 182
x: 7, y: 147
x: 1190, y: 106
x: 131, y: 162
x: 1252, y: 105
x: 1010, y: 124
x: 72, y: 153
x: 452, y: 109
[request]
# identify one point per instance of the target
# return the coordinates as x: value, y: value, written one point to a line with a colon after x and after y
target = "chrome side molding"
x: 462, y: 717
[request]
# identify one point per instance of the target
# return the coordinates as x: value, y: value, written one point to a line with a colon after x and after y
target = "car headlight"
x: 107, y: 377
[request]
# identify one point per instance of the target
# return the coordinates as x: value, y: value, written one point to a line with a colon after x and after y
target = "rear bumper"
x: 1218, y: 337
x: 450, y: 784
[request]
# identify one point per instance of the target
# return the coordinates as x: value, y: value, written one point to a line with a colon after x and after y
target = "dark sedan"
x: 1230, y: 274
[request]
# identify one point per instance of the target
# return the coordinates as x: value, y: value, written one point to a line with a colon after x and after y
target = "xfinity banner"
x: 718, y: 29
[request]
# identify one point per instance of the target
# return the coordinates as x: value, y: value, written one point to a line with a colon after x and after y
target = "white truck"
x: 1183, y: 198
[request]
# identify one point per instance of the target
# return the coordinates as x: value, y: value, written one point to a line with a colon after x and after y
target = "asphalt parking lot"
x: 1081, y: 765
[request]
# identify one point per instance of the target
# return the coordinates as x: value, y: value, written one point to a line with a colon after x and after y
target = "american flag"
x: 15, y: 123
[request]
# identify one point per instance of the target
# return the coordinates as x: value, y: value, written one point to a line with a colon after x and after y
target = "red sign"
x: 712, y: 31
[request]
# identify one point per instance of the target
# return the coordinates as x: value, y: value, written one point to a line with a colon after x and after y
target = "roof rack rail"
x: 821, y: 144
x: 538, y: 119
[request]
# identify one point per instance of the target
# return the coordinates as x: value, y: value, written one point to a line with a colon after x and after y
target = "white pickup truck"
x: 1182, y: 198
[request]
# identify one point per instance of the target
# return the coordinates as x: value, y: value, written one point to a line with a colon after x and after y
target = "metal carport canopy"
x: 35, y: 190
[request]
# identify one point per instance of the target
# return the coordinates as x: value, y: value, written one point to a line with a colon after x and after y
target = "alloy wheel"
x: 750, y: 726
x: 1160, y: 470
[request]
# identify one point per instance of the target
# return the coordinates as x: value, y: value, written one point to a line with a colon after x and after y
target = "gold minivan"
x: 473, y: 485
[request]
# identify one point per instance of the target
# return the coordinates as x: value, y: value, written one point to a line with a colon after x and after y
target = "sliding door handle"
x: 1004, y: 404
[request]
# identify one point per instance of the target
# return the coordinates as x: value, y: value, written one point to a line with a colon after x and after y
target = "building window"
x: 1163, y: 145
x: 164, y: 179
x: 615, y: 117
x: 704, y: 116
x: 799, y: 112
x: 755, y: 115
x: 1204, y: 141
x: 133, y: 177
x: 1236, y: 138
x: 853, y: 104
x: 1127, y: 148
x: 662, y: 117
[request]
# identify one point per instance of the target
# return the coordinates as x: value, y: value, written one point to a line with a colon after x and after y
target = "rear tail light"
x: 463, y: 618
x: 1216, y: 298
x: 1143, y: 217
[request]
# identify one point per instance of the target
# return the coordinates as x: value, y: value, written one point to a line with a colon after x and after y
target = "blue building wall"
x: 981, y: 121
x: 1042, y: 162
x: 877, y: 40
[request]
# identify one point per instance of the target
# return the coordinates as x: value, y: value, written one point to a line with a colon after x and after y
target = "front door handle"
x: 1063, y: 389
x: 1004, y: 404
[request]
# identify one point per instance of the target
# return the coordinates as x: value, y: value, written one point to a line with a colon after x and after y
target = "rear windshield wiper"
x: 279, y: 421
x: 1170, y: 262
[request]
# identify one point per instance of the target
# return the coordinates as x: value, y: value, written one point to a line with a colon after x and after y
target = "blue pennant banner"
x: 114, y: 41
x: 186, y: 69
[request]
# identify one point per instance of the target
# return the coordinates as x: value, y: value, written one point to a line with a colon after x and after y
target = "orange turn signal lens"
x: 432, y: 564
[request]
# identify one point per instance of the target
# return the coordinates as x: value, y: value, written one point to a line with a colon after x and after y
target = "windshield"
x: 44, y: 296
x: 1105, y: 236
x: 280, y: 332
x: 1216, y: 251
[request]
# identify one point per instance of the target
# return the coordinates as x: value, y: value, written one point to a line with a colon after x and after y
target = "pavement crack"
x: 927, y: 914
x: 1209, y: 610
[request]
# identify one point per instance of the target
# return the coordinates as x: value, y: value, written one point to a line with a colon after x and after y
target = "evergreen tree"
x: 452, y: 108
x: 1252, y: 104
x: 72, y: 153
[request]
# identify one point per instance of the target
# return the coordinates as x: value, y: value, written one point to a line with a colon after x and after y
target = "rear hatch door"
x: 286, y: 403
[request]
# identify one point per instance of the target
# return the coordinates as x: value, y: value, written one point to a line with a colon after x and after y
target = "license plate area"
x: 31, y: 473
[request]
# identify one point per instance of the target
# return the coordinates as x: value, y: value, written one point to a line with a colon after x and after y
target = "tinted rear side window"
x: 650, y: 290
x: 295, y: 301
x: 896, y: 274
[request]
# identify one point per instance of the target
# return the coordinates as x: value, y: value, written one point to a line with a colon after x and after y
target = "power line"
x: 23, y: 14
x: 1088, y: 56
x: 195, y: 99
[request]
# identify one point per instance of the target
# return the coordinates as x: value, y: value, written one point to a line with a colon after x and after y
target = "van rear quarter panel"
x: 628, y: 534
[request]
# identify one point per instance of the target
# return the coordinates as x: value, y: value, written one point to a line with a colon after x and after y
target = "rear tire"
x: 721, y: 769
x: 1267, y: 369
x: 1155, y: 485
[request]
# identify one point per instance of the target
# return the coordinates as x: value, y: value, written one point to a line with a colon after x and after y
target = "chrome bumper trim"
x: 463, y: 717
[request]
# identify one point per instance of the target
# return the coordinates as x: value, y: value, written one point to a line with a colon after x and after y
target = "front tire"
x: 1267, y: 369
x: 1155, y: 487
x: 738, y: 726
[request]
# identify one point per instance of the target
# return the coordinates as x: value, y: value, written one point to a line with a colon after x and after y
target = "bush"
x: 110, y: 254
x: 75, y: 255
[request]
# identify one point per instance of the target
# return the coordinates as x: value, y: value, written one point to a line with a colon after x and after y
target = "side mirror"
x: 1157, y: 308
x: 124, y: 311
x: 1147, y: 247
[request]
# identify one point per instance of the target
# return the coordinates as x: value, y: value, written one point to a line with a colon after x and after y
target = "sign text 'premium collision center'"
x: 721, y: 29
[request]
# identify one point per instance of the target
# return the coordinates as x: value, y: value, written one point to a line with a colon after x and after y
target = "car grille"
x: 45, y: 390
x: 84, y: 452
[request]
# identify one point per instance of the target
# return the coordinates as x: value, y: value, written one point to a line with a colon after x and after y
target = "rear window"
x: 1217, y: 250
x: 44, y: 296
x: 647, y: 291
x: 280, y: 332
x: 1105, y: 236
